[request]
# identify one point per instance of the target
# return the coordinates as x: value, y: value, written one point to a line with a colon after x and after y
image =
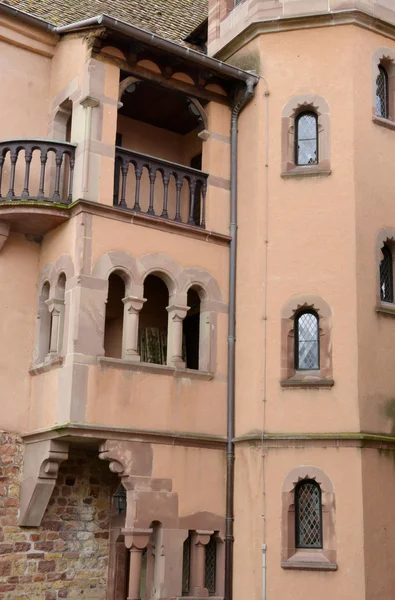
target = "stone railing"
x: 34, y: 169
x: 178, y: 193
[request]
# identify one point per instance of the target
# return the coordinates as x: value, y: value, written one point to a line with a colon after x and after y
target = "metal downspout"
x: 230, y: 453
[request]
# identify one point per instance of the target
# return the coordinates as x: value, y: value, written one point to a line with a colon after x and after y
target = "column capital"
x: 202, y: 537
x: 134, y: 304
x: 136, y: 539
x: 177, y: 312
x: 54, y: 304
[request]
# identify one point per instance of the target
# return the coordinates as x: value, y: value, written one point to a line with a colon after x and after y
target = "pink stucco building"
x: 197, y: 234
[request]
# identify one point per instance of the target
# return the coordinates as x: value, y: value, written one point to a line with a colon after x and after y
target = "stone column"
x: 56, y: 308
x: 136, y: 540
x: 177, y: 315
x: 198, y: 563
x: 132, y: 307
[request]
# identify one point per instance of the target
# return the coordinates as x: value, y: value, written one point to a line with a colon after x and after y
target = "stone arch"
x: 123, y: 264
x: 163, y: 266
x: 322, y: 558
x: 324, y: 375
x: 290, y: 111
x: 63, y: 264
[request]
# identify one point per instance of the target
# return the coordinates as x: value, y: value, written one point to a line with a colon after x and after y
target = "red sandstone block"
x: 6, y: 549
x: 5, y: 567
x: 44, y: 546
x: 38, y: 578
x: 13, y: 579
x: 35, y: 555
x: 46, y: 566
x: 34, y: 537
x: 50, y: 595
x: 22, y: 547
x: 63, y: 593
x: 7, y: 587
x: 54, y: 576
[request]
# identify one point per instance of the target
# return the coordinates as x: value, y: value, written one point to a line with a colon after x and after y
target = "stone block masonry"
x: 67, y: 556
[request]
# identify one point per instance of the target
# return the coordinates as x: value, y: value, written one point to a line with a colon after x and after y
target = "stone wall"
x: 66, y: 557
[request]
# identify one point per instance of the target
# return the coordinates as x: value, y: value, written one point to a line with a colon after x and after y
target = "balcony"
x: 36, y: 186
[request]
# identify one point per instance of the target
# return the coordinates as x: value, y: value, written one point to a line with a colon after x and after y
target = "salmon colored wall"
x: 68, y: 63
x: 197, y: 475
x: 378, y: 470
x: 311, y: 250
x: 375, y: 210
x: 18, y: 276
x: 344, y: 469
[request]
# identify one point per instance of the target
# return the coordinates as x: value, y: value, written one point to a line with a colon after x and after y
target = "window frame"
x: 296, y: 337
x: 300, y: 485
x: 387, y: 256
x: 299, y: 116
x: 383, y: 71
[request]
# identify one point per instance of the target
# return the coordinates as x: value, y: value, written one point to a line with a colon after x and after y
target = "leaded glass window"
x: 307, y: 346
x: 186, y: 566
x: 211, y: 566
x: 308, y: 515
x: 382, y: 93
x: 306, y: 139
x: 386, y: 275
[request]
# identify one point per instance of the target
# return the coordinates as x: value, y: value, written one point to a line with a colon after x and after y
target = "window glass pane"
x: 308, y: 516
x: 382, y: 94
x: 211, y: 566
x: 308, y: 347
x: 386, y: 276
x: 186, y: 565
x: 307, y: 140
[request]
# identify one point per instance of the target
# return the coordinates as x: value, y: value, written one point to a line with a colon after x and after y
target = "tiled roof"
x: 171, y: 19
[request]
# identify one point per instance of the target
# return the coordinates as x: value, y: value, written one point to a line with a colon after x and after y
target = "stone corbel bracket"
x: 40, y: 471
x: 4, y: 233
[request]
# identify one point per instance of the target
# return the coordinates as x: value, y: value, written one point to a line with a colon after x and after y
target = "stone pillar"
x: 56, y: 308
x: 177, y: 315
x: 198, y: 563
x: 136, y: 540
x: 132, y: 307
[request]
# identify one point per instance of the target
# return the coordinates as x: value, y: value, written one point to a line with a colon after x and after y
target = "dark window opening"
x: 307, y: 347
x: 153, y: 322
x: 191, y: 330
x: 386, y: 275
x: 308, y: 515
x: 117, y: 172
x: 382, y: 99
x: 114, y: 317
x: 186, y: 566
x: 211, y: 566
x: 306, y: 139
x: 196, y: 163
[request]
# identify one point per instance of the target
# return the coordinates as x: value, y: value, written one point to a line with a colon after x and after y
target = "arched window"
x: 191, y: 331
x: 382, y: 99
x: 306, y: 139
x: 113, y: 329
x: 307, y: 345
x: 44, y: 321
x: 308, y: 515
x: 386, y: 275
x: 154, y: 321
x: 56, y: 306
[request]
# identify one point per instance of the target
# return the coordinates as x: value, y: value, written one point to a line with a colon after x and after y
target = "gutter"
x: 230, y: 449
x: 143, y: 36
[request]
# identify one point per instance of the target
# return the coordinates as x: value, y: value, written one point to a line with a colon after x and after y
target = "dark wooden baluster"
x: 14, y: 158
x: 124, y: 170
x: 138, y: 169
x: 58, y: 162
x: 179, y: 182
x: 166, y: 180
x: 43, y: 160
x: 152, y: 177
x: 192, y: 187
x: 71, y: 178
x: 28, y: 160
x: 204, y: 193
x: 1, y: 171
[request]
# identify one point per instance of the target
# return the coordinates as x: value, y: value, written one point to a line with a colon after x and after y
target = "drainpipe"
x: 230, y: 451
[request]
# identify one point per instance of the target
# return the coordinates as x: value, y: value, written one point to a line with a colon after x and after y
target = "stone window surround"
x: 384, y: 236
x: 310, y: 559
x: 178, y: 281
x: 294, y: 106
x: 385, y: 57
x: 52, y: 312
x: 322, y: 377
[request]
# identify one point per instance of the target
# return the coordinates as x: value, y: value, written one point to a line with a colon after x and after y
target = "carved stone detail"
x: 40, y: 470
